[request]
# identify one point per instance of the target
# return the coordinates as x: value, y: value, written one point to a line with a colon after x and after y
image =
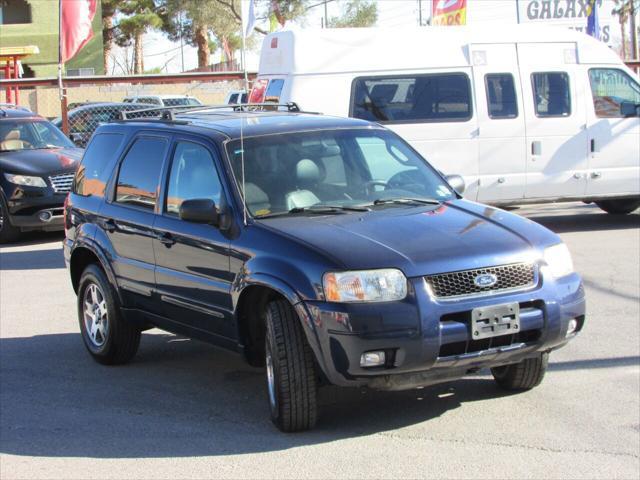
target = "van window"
x: 442, y: 97
x: 383, y: 162
x: 610, y: 88
x: 551, y: 95
x: 501, y: 95
x: 140, y: 172
x: 92, y: 174
x: 193, y: 175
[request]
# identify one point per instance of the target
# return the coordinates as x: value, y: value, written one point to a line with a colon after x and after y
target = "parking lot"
x: 184, y: 409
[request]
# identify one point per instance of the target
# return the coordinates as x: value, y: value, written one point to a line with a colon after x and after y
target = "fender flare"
x: 283, y: 288
x: 95, y: 248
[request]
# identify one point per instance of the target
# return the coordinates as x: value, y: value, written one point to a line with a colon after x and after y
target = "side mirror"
x: 456, y: 182
x: 199, y: 210
x: 76, y: 138
x: 629, y: 109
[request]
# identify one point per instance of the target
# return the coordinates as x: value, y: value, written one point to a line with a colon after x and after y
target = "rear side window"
x: 438, y: 97
x: 501, y: 95
x: 140, y: 172
x: 92, y: 175
x: 551, y: 94
x: 610, y: 88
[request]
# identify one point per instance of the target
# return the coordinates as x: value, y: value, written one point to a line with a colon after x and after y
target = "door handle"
x: 166, y: 239
x: 536, y: 148
x: 110, y: 225
x: 596, y: 174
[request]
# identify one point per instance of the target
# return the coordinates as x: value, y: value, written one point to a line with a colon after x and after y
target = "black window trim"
x: 113, y: 187
x: 533, y: 94
x: 413, y: 75
x: 486, y: 92
x: 593, y: 105
x: 166, y: 172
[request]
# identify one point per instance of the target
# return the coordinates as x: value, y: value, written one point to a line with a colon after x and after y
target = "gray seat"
x: 307, y: 177
x: 255, y: 198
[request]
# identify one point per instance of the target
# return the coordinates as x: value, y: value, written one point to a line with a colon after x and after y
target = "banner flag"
x: 75, y: 26
x: 449, y: 12
x: 593, y: 23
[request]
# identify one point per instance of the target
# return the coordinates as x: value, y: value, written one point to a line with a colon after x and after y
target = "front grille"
x: 455, y: 284
x: 62, y: 183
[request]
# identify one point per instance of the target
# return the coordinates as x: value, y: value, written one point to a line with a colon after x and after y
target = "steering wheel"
x: 367, y: 187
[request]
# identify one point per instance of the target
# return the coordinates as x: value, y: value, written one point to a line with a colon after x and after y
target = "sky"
x: 162, y: 53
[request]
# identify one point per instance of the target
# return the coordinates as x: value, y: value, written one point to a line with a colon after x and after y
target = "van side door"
x: 501, y: 140
x: 614, y: 134
x: 192, y: 259
x: 557, y: 146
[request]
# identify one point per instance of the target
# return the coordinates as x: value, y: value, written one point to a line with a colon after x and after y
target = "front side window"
x: 193, y: 175
x: 30, y: 135
x: 611, y: 88
x: 334, y: 168
x: 551, y: 94
x: 501, y: 95
x: 140, y: 172
x: 442, y: 97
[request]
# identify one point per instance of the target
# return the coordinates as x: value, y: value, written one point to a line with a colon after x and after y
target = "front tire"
x: 291, y: 377
x: 524, y: 375
x: 621, y: 206
x: 109, y: 338
x: 8, y: 233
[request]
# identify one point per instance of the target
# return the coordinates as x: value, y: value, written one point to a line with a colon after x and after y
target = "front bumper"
x: 35, y: 209
x: 429, y: 341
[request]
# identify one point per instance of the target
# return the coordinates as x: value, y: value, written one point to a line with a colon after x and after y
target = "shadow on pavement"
x: 630, y: 361
x: 179, y: 398
x: 32, y: 259
x: 36, y: 237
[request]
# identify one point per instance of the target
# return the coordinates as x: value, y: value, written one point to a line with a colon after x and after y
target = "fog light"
x: 372, y: 359
x: 571, y: 328
x: 45, y: 216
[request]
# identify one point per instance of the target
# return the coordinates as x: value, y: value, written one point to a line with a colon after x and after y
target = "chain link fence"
x: 91, y: 101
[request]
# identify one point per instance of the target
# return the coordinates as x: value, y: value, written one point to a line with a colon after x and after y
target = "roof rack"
x: 168, y: 114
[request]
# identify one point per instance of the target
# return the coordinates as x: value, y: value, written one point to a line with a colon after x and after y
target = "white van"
x: 525, y: 113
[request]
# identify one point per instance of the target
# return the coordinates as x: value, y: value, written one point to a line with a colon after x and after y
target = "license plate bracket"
x: 495, y: 320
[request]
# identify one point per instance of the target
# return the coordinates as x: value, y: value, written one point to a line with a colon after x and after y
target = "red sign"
x: 449, y: 12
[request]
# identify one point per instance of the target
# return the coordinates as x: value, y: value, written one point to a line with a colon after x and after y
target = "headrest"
x: 307, y: 172
x: 13, y: 135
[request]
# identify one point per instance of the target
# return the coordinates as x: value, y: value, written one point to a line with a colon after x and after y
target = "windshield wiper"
x: 319, y: 209
x: 407, y: 201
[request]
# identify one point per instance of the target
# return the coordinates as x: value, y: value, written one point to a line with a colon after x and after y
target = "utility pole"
x: 326, y: 18
x: 634, y: 31
x: 182, y: 40
x: 420, y: 13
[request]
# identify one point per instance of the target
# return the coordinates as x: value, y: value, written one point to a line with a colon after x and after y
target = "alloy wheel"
x: 96, y: 319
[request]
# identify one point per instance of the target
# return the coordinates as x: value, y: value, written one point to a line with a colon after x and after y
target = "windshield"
x: 288, y: 173
x: 30, y: 135
x: 179, y: 102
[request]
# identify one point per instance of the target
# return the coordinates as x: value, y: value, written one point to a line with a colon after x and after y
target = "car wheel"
x: 109, y: 338
x: 621, y: 206
x: 522, y: 376
x: 291, y: 376
x: 8, y: 233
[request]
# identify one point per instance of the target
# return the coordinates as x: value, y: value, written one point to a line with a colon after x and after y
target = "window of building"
x: 610, y: 88
x: 14, y: 12
x: 80, y: 72
x: 193, y: 175
x: 551, y: 94
x: 441, y: 97
x: 140, y: 172
x: 501, y: 95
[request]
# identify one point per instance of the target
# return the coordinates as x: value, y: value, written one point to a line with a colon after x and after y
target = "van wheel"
x: 109, y: 338
x: 291, y: 377
x: 621, y: 206
x: 8, y: 233
x: 522, y: 376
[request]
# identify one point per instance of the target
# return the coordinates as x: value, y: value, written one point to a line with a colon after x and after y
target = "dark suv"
x: 325, y: 249
x: 37, y: 166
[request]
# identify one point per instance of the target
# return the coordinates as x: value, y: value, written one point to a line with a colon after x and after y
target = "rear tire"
x: 291, y: 376
x: 622, y: 206
x: 8, y: 233
x: 522, y: 376
x: 109, y: 338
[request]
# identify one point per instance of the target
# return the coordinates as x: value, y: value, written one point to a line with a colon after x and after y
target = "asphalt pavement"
x: 184, y: 409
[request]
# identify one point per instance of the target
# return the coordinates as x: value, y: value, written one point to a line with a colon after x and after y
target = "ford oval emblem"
x: 485, y: 280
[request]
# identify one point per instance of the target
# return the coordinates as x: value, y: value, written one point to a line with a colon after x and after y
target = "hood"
x: 457, y: 235
x: 41, y: 162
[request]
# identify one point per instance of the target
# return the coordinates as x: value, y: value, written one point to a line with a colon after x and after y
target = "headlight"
x: 559, y: 260
x: 384, y: 285
x: 25, y: 180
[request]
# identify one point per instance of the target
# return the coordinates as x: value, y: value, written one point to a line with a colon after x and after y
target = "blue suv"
x: 324, y: 249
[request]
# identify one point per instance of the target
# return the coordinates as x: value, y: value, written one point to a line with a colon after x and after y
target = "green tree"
x: 356, y: 13
x: 141, y: 15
